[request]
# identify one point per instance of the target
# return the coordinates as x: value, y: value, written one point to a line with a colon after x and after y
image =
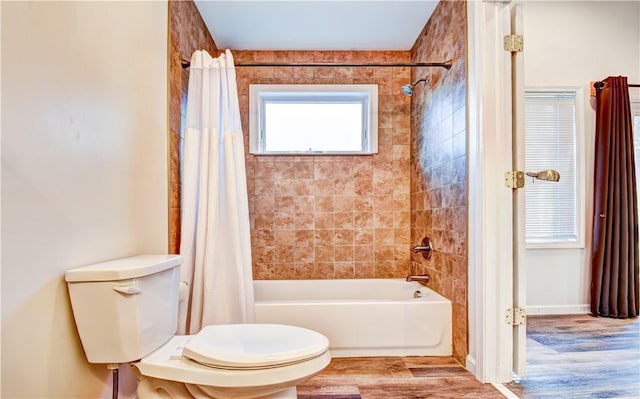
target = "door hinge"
x: 513, y: 43
x: 515, y: 316
x: 514, y: 179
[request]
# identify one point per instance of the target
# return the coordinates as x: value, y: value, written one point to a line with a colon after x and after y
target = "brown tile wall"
x: 331, y: 216
x: 438, y: 162
x: 187, y: 33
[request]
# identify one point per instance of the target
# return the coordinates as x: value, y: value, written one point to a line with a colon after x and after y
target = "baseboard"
x: 471, y: 365
x: 558, y: 309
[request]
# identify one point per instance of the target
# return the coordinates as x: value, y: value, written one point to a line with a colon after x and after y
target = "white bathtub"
x: 363, y: 317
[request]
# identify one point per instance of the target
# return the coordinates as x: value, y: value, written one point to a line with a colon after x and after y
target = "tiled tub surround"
x: 355, y: 217
x: 324, y: 217
x: 187, y: 33
x: 400, y: 318
x: 438, y: 162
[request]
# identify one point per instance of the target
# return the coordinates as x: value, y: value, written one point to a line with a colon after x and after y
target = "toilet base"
x: 152, y: 388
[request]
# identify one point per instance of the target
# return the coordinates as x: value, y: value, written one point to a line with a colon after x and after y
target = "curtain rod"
x: 447, y: 64
x: 600, y: 85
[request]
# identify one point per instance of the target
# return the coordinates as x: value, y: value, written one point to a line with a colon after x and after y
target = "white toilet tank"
x: 125, y: 309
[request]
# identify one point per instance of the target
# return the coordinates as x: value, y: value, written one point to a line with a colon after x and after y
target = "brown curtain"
x: 614, y: 260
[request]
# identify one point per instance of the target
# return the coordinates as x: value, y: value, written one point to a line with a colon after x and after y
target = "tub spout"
x: 421, y: 278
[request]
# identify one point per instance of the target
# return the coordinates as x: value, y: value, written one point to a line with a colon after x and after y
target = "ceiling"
x: 314, y: 24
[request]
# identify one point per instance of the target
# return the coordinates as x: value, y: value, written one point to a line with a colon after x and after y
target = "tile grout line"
x: 505, y: 391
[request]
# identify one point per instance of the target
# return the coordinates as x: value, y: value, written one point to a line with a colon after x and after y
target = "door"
x: 519, y: 270
x: 490, y: 153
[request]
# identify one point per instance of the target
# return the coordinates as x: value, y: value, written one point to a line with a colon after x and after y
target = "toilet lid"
x: 254, y: 345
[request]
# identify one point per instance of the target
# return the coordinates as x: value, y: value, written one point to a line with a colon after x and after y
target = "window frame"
x: 367, y: 94
x: 634, y: 100
x: 580, y: 166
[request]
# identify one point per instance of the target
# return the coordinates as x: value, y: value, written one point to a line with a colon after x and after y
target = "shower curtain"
x: 215, y: 240
x: 614, y: 260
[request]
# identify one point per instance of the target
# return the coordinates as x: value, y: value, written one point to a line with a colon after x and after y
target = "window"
x: 635, y: 116
x: 553, y: 216
x: 313, y: 119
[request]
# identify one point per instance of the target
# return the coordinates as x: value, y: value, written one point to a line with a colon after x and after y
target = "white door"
x: 491, y: 217
x: 519, y: 270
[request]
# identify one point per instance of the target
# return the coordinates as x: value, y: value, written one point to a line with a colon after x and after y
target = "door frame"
x: 489, y: 126
x: 519, y: 234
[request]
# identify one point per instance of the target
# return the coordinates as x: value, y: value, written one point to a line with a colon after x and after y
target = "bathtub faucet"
x: 421, y: 278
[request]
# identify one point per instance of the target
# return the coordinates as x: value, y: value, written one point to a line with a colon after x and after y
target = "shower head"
x: 549, y: 175
x: 409, y: 87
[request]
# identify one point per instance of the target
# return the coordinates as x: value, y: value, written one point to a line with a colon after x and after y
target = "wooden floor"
x: 396, y: 378
x: 581, y: 357
x: 568, y: 357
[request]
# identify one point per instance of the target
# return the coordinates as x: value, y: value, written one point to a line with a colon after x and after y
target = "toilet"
x: 126, y: 311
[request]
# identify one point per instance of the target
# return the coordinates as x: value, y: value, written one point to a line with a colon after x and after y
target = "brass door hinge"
x: 514, y: 179
x: 515, y: 316
x: 513, y: 43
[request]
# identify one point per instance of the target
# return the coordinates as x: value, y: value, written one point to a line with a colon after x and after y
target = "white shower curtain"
x: 215, y: 240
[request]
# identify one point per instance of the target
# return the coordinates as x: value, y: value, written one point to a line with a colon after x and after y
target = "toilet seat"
x: 254, y: 346
x: 170, y: 363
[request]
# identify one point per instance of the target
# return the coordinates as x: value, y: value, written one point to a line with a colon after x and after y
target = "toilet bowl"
x: 240, y: 361
x: 126, y: 312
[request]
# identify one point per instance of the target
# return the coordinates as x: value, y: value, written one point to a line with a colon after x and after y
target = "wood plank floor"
x: 395, y: 378
x: 580, y: 356
x: 568, y: 357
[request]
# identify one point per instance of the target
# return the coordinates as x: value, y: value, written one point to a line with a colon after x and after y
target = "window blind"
x: 550, y: 143
x: 636, y: 142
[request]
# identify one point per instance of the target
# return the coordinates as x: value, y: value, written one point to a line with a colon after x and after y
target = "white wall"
x: 570, y: 44
x: 84, y: 173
